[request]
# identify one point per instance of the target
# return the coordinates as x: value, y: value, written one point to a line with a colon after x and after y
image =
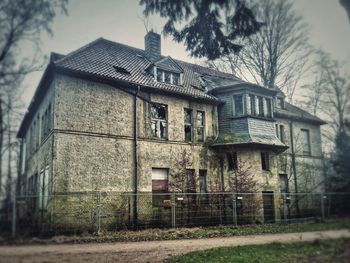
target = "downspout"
x: 294, y: 167
x: 135, y: 206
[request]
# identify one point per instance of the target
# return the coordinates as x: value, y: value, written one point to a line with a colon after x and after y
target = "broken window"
x: 232, y: 161
x: 159, y: 120
x: 188, y: 124
x: 265, y: 161
x: 200, y: 126
x: 305, y: 139
x: 238, y: 105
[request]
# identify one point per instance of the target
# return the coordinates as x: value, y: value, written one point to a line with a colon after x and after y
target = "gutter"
x: 135, y: 206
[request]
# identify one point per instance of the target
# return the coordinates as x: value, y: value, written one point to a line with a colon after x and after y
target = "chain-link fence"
x: 88, y: 212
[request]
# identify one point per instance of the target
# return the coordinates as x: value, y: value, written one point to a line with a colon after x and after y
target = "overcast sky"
x: 118, y: 21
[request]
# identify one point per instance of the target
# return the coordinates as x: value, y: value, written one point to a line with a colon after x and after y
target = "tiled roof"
x: 101, y: 56
x: 293, y: 112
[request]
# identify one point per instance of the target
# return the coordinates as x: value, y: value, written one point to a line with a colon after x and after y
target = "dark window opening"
x: 268, y: 108
x: 232, y: 160
x: 252, y: 105
x: 121, y: 70
x: 159, y: 121
x: 282, y: 134
x: 188, y: 125
x: 200, y: 126
x: 265, y: 162
x: 305, y: 137
x: 261, y: 106
x: 238, y: 105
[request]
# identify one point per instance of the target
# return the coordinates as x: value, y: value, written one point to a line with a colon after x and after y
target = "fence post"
x: 98, y: 212
x: 322, y: 206
x: 285, y: 207
x: 234, y: 209
x: 173, y: 212
x: 14, y: 214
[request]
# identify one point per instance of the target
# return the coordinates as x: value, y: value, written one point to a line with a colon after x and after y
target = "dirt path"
x: 151, y: 251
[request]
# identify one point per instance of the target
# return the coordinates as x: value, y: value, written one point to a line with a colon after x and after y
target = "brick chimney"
x: 152, y: 45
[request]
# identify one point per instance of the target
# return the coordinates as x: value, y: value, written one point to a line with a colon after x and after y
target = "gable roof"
x: 293, y: 112
x: 107, y: 60
x: 100, y: 57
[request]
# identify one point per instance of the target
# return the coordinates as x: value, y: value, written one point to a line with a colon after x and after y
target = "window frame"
x: 308, y: 141
x: 200, y: 126
x: 232, y: 161
x: 234, y: 104
x: 160, y: 121
x: 161, y: 72
x: 265, y: 161
x: 188, y: 124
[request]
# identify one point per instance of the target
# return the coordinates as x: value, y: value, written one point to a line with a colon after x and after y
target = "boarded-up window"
x: 190, y: 181
x: 159, y: 186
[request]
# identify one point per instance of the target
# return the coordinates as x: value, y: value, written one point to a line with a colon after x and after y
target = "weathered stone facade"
x: 101, y: 135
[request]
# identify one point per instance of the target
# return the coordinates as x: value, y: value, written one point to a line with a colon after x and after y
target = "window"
x: 168, y: 77
x: 238, y: 105
x: 305, y: 139
x: 265, y: 162
x: 159, y: 121
x: 252, y: 105
x: 276, y: 129
x: 280, y: 103
x: 188, y: 124
x: 203, y: 181
x: 282, y: 134
x: 268, y: 108
x: 260, y: 106
x: 232, y: 161
x: 200, y: 126
x: 159, y: 186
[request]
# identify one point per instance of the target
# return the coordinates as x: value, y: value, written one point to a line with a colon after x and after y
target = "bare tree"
x: 181, y: 179
x: 278, y: 54
x: 21, y: 21
x: 329, y: 95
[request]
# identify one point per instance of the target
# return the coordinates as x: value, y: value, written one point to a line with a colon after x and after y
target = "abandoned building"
x: 111, y: 117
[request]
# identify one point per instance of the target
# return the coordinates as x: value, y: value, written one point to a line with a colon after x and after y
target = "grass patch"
x: 189, y: 233
x: 300, y: 252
